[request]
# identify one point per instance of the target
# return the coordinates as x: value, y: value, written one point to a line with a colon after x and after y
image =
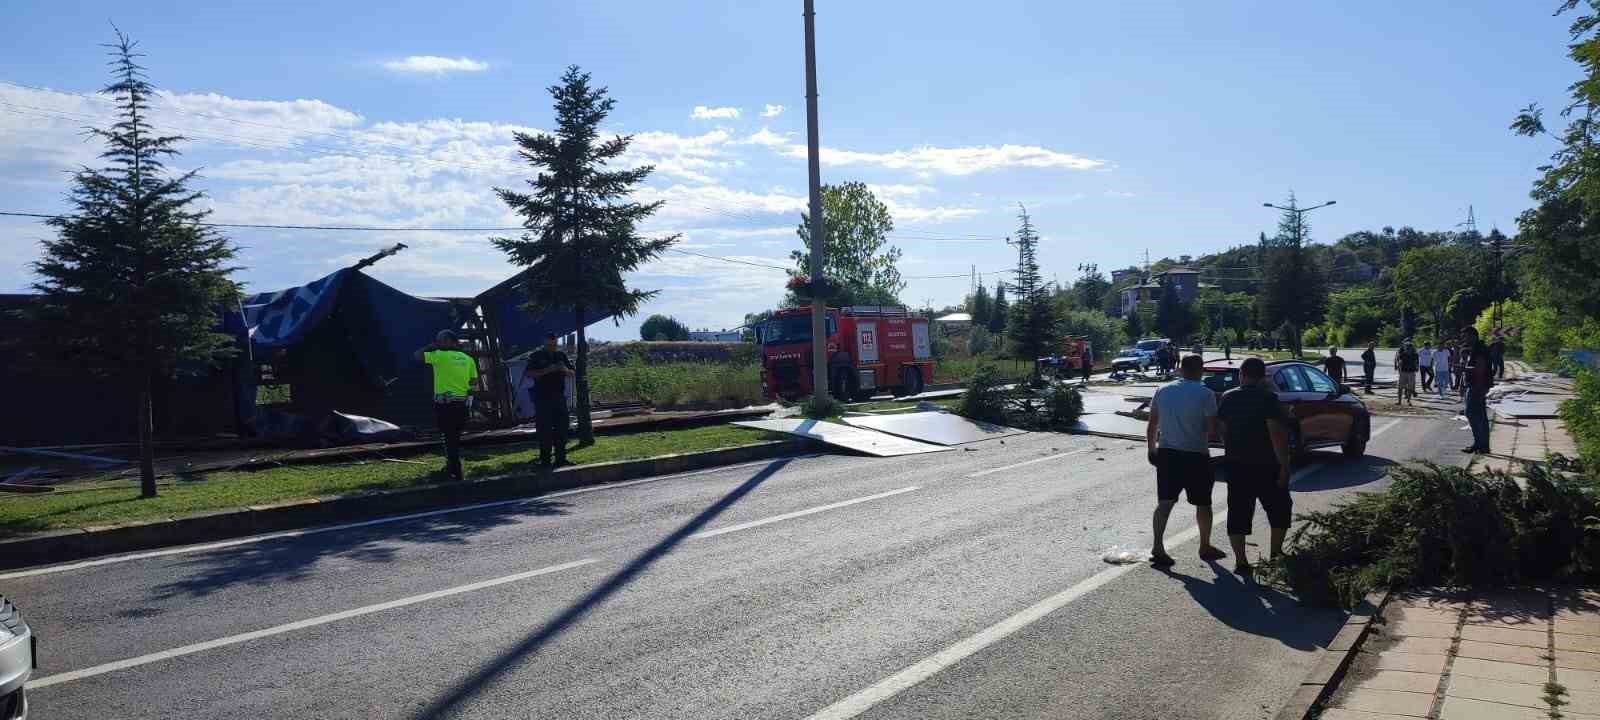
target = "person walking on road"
x: 1255, y: 441
x: 1497, y: 354
x: 1334, y: 365
x: 1369, y: 363
x: 549, y: 369
x: 1424, y: 360
x: 1406, y: 362
x: 454, y: 374
x: 1183, y: 415
x: 1086, y: 361
x: 1476, y: 378
x: 1441, y: 370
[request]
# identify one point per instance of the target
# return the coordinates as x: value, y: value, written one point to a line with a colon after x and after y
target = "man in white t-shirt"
x: 1441, y: 371
x: 1183, y: 414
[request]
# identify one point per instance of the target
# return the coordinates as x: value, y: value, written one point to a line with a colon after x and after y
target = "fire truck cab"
x: 1070, y: 358
x: 870, y: 348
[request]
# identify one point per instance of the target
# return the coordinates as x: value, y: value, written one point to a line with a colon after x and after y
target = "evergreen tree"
x: 979, y: 307
x: 1000, y: 310
x: 1135, y: 326
x: 132, y: 283
x: 1294, y: 288
x: 1033, y: 326
x: 583, y: 236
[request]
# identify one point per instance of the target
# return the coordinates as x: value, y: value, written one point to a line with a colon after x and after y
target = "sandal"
x: 1162, y: 561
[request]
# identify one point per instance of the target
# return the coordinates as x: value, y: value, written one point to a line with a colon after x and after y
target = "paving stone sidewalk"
x: 1497, y: 656
x: 1514, y: 441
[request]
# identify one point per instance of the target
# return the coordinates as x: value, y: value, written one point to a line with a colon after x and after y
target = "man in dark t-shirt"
x: 549, y: 369
x: 1476, y: 377
x: 1255, y: 442
x: 1334, y: 365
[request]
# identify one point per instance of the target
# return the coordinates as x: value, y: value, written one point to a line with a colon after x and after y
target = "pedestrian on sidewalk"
x: 1183, y: 415
x: 1406, y: 362
x: 1255, y: 441
x: 1441, y: 369
x: 1334, y: 365
x: 1086, y: 361
x: 1497, y: 353
x: 1369, y: 363
x: 1477, y: 379
x: 1425, y: 364
x: 454, y: 375
x: 549, y: 368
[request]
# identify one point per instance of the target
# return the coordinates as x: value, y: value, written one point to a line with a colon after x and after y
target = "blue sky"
x: 1121, y: 126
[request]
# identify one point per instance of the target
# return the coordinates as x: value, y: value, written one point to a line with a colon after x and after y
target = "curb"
x: 1333, y: 660
x: 79, y: 543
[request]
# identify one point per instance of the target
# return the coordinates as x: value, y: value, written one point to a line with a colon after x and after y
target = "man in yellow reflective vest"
x: 454, y: 375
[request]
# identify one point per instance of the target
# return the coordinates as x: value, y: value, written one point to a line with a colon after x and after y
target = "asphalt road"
x: 954, y: 585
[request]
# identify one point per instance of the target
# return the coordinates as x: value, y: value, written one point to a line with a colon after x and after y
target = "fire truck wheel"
x: 841, y: 384
x: 911, y: 381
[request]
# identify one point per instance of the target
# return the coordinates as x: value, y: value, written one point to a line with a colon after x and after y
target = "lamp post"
x: 1299, y: 237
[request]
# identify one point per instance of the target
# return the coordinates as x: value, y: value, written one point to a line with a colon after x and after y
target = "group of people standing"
x: 455, y: 376
x: 1464, y: 364
x: 1254, y: 432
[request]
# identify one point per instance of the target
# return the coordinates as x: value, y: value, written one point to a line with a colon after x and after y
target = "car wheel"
x: 1356, y: 447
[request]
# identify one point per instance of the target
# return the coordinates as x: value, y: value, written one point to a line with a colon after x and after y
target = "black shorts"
x: 1184, y: 472
x: 1250, y: 483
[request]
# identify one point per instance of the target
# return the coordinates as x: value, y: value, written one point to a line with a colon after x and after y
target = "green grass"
x: 679, y: 384
x: 954, y: 370
x: 106, y: 502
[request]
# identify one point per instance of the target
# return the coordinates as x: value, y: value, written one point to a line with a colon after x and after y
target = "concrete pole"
x: 819, y: 340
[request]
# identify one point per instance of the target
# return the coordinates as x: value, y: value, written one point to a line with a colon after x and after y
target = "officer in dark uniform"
x: 549, y: 369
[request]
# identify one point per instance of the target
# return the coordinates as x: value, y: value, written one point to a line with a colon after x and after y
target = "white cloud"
x: 434, y: 65
x: 765, y: 136
x: 958, y: 160
x: 1119, y: 194
x: 702, y: 112
x: 772, y: 111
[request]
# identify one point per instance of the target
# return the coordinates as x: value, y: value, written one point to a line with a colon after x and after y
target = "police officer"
x: 549, y: 369
x: 454, y: 374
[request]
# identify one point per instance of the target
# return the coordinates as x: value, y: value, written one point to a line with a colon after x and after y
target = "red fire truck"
x: 870, y: 348
x: 1069, y: 360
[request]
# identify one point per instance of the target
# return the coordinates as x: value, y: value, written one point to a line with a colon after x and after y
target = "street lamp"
x: 1299, y: 239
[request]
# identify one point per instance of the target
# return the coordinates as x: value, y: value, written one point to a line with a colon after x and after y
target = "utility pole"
x: 819, y: 338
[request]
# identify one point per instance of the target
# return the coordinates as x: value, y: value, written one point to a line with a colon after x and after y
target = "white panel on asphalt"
x: 870, y: 442
x: 1112, y: 425
x: 935, y: 426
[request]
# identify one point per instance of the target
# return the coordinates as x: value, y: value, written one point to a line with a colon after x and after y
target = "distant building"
x: 722, y: 336
x: 1184, y: 280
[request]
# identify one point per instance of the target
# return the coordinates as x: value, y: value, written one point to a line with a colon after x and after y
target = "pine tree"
x: 582, y: 234
x: 1033, y: 326
x: 132, y: 284
x: 1294, y: 288
x: 1000, y: 310
x: 980, y: 307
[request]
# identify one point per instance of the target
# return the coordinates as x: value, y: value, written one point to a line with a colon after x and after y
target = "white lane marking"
x: 1383, y: 429
x: 890, y: 686
x: 299, y: 625
x: 1003, y: 468
x: 800, y: 513
x: 364, y: 523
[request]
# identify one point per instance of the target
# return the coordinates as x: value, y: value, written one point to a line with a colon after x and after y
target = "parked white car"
x: 17, y: 662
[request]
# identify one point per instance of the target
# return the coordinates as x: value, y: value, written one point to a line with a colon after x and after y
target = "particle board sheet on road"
x: 860, y: 440
x: 934, y: 426
x: 1111, y: 425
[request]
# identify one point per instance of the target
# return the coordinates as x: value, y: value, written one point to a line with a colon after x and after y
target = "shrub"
x: 821, y: 408
x: 1063, y: 406
x: 1439, y: 525
x: 1582, y: 415
x: 984, y: 400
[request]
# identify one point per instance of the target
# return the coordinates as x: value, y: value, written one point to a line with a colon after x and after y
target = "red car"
x: 1323, y: 413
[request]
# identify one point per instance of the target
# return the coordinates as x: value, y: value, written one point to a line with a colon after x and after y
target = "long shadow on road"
x: 468, y: 688
x: 1339, y: 473
x: 289, y: 559
x: 1260, y: 610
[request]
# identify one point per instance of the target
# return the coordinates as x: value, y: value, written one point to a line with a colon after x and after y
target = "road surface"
x: 954, y: 585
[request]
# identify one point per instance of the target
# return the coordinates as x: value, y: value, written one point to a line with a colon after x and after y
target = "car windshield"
x: 1149, y: 345
x: 1221, y: 380
x: 787, y: 329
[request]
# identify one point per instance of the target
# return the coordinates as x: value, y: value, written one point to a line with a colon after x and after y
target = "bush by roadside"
x: 1055, y: 406
x: 1439, y: 525
x: 1582, y: 416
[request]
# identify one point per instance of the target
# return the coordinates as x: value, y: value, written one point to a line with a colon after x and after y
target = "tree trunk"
x: 147, y: 455
x: 585, y: 427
